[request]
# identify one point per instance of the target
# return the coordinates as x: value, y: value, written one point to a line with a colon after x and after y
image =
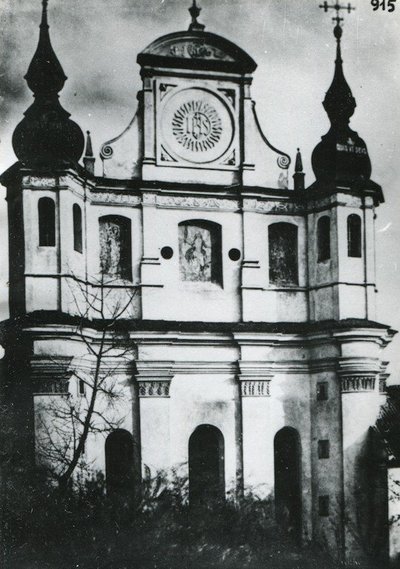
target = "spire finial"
x: 89, y: 148
x: 45, y: 74
x: 194, y: 11
x: 298, y: 167
x: 44, y: 13
x: 298, y: 176
x: 339, y: 102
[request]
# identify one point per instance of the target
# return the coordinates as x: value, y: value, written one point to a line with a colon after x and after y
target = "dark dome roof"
x: 48, y: 137
x: 341, y: 156
x: 196, y: 49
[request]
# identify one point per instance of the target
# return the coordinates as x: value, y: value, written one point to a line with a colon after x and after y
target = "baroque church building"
x: 223, y: 311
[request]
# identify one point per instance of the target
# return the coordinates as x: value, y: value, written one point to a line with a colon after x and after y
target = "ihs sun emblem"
x: 197, y: 126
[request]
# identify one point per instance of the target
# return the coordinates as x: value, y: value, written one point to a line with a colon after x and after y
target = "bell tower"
x: 341, y: 227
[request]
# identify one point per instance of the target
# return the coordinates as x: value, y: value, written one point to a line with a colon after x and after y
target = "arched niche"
x: 47, y: 222
x: 119, y: 462
x: 287, y: 465
x: 206, y: 467
x: 354, y: 238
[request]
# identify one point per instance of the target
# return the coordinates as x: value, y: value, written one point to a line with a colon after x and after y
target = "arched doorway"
x: 119, y: 462
x: 287, y: 456
x: 206, y: 466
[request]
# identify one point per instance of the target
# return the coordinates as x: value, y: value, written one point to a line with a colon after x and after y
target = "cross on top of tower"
x: 336, y: 7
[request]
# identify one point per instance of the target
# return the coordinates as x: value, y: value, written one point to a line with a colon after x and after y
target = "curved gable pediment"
x: 197, y: 50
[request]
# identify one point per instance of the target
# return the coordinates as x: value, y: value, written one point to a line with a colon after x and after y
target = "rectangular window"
x: 323, y: 449
x: 323, y: 506
x: 81, y: 387
x: 322, y: 391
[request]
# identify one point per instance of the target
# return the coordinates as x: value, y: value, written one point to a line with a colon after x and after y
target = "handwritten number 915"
x: 390, y: 4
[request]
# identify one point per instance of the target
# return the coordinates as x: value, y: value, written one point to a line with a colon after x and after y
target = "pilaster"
x: 150, y: 274
x: 257, y: 438
x: 153, y: 381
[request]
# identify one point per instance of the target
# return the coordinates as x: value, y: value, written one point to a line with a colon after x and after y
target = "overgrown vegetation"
x: 85, y: 529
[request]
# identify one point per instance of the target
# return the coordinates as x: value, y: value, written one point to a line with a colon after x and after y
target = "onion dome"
x: 341, y: 156
x: 46, y: 137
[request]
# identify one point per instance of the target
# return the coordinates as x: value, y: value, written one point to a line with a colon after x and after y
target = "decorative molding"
x: 255, y: 388
x: 165, y: 88
x: 114, y: 198
x: 194, y: 50
x: 192, y: 202
x: 205, y: 367
x: 231, y: 159
x: 50, y: 375
x: 166, y: 156
x: 40, y: 182
x: 154, y: 388
x: 382, y: 385
x: 149, y: 198
x: 272, y: 206
x: 230, y: 94
x: 356, y: 383
x: 383, y: 377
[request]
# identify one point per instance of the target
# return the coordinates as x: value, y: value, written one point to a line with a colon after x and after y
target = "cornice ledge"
x: 382, y: 336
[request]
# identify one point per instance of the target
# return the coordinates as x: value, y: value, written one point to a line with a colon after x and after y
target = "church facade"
x: 232, y: 308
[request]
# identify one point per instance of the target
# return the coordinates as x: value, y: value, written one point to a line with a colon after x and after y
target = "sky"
x: 97, y: 42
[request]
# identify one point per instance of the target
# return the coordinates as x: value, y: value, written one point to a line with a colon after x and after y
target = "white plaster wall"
x: 261, y: 300
x: 258, y: 449
x: 179, y: 300
x: 155, y: 435
x: 323, y: 300
x: 41, y: 292
x: 205, y: 399
x: 359, y: 413
x: 327, y: 473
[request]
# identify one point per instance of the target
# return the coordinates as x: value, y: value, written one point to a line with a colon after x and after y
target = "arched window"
x: 119, y: 462
x: 287, y: 461
x: 47, y: 222
x: 206, y: 466
x: 115, y: 246
x: 324, y: 238
x: 200, y: 255
x: 283, y: 264
x: 77, y: 221
x: 354, y: 235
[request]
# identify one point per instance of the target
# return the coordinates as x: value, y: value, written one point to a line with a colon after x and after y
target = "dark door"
x: 206, y: 467
x: 288, y: 481
x: 119, y: 462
